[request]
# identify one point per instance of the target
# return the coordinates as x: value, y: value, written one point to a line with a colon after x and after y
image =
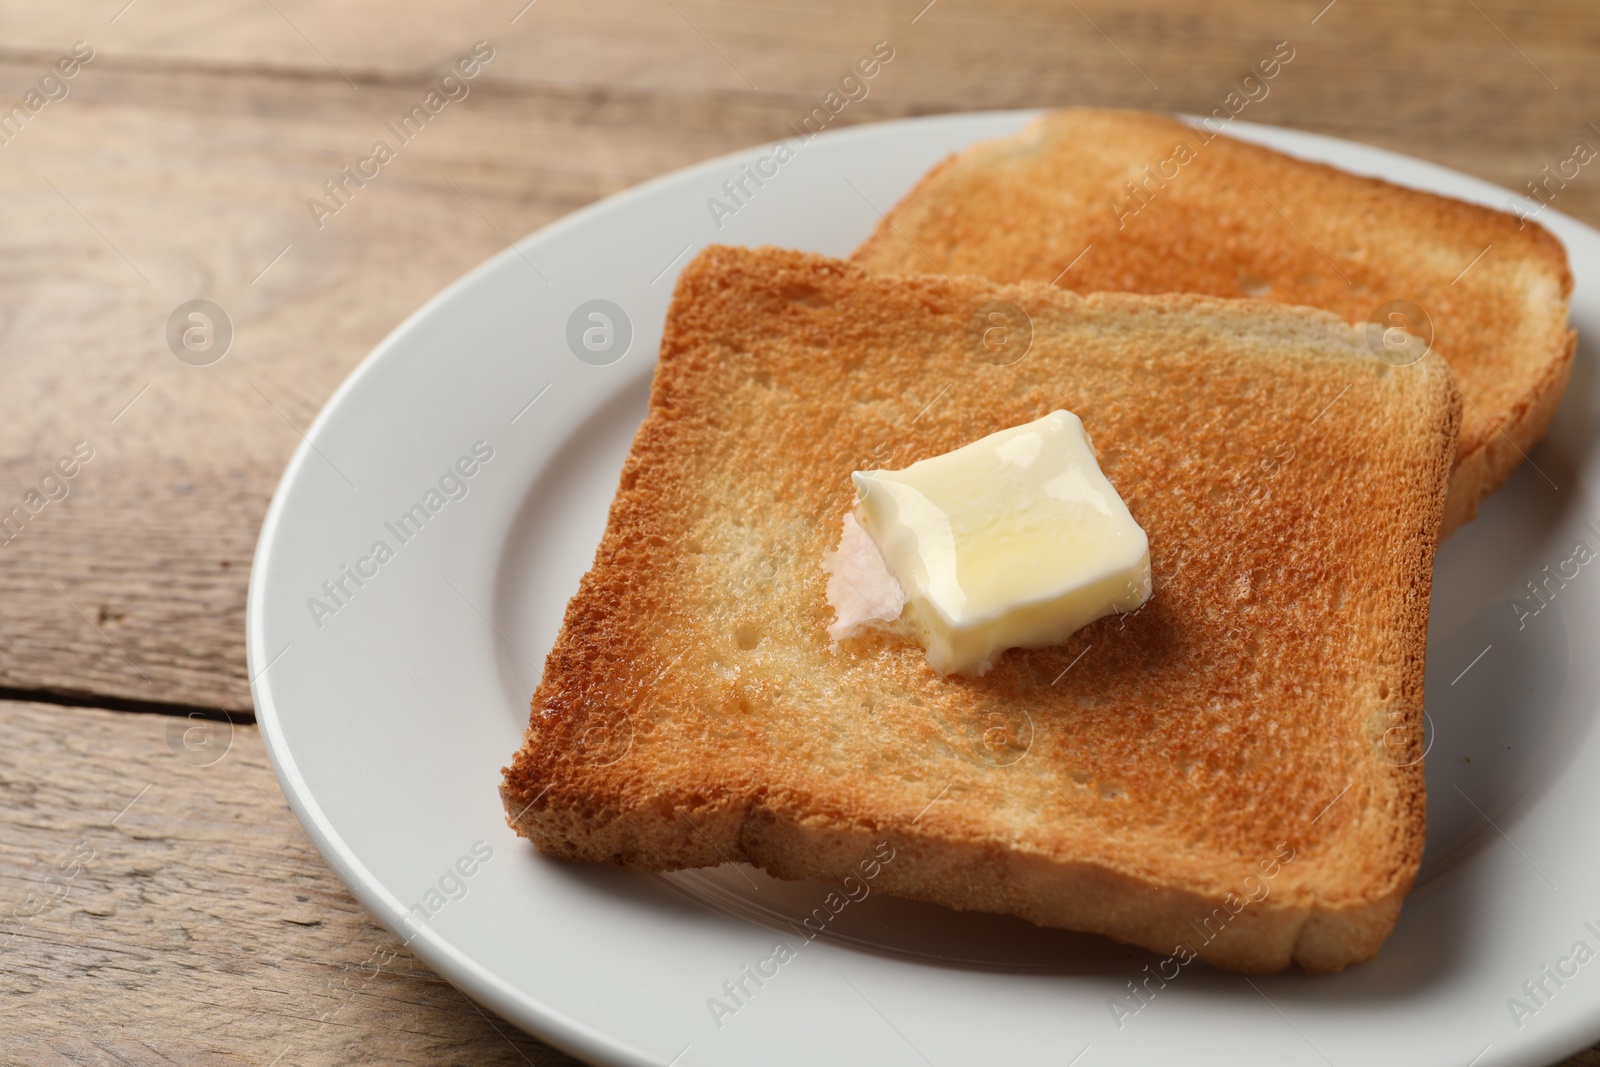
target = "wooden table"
x: 158, y: 901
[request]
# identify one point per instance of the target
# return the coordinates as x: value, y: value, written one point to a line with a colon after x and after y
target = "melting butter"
x: 1014, y: 541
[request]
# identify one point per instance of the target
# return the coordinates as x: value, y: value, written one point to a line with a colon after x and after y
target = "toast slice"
x: 1234, y: 768
x: 1162, y: 207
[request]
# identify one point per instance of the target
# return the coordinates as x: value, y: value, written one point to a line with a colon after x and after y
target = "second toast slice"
x: 1130, y: 201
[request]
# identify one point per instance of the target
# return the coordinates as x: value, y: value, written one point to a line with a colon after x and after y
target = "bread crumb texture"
x: 1266, y: 701
x: 1165, y: 208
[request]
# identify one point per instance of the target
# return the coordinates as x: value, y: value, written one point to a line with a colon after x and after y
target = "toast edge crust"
x: 566, y: 820
x: 1479, y: 472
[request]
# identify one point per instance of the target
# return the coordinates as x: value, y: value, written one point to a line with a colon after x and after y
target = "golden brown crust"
x: 1263, y: 709
x: 1237, y: 217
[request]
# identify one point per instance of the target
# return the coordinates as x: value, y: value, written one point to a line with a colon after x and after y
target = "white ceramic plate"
x: 389, y: 715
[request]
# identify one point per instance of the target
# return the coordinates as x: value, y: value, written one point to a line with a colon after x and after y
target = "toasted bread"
x: 1155, y: 206
x: 1261, y: 713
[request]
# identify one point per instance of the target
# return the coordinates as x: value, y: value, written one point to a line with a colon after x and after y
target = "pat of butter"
x: 1014, y: 541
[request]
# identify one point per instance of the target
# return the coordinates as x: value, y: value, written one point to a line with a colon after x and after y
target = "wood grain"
x: 180, y: 164
x: 157, y: 911
x: 198, y: 925
x: 134, y: 585
x: 204, y: 929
